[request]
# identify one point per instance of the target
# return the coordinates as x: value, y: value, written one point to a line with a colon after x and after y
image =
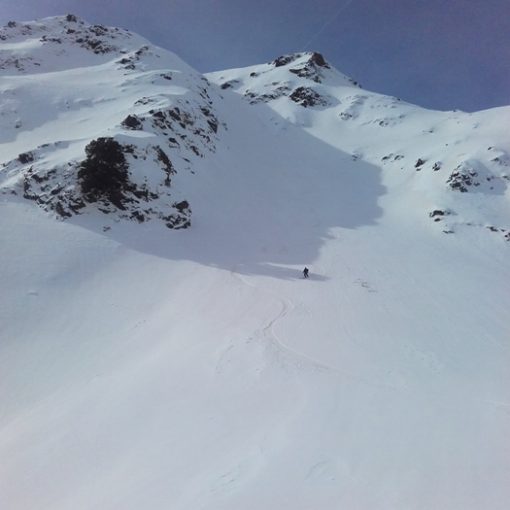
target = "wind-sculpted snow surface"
x: 196, y: 368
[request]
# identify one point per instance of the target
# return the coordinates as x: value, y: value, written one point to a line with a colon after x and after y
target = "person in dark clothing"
x: 305, y: 272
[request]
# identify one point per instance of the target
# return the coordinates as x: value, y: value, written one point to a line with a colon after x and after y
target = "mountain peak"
x: 311, y: 57
x: 305, y: 65
x: 298, y: 76
x: 53, y: 43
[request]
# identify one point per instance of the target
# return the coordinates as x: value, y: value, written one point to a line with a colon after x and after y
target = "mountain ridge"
x: 306, y: 79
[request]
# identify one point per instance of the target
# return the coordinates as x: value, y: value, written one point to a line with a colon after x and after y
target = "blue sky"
x: 442, y: 54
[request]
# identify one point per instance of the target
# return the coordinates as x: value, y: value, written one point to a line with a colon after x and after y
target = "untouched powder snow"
x: 144, y: 367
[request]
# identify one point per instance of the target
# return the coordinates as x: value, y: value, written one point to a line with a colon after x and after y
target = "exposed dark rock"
x: 132, y: 122
x: 46, y: 38
x: 98, y: 30
x: 312, y: 68
x: 228, y: 84
x: 254, y: 98
x: 181, y: 206
x: 26, y: 157
x: 143, y: 193
x: 59, y: 209
x: 184, y: 120
x: 138, y: 216
x: 501, y: 160
x: 97, y: 46
x: 167, y: 164
x: 212, y: 121
x: 419, y: 163
x: 462, y: 178
x: 306, y: 97
x: 439, y: 214
x: 144, y: 101
x: 177, y: 221
x: 318, y: 60
x: 284, y: 60
x: 213, y: 124
x: 71, y: 18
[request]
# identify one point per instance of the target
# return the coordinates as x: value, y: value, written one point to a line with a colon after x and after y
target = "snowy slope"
x: 156, y: 368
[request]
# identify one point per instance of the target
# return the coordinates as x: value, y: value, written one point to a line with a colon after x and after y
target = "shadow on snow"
x: 269, y: 216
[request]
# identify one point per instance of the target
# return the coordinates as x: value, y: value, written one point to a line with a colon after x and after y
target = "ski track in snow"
x: 299, y: 360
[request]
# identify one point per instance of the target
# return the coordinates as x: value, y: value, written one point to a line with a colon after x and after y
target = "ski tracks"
x: 284, y: 354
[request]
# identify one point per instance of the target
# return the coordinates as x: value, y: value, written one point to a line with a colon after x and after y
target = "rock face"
x: 306, y: 97
x: 104, y: 184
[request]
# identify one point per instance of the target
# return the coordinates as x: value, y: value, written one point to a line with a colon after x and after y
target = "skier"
x: 305, y: 272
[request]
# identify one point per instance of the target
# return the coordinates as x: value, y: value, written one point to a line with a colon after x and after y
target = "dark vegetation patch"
x: 104, y: 172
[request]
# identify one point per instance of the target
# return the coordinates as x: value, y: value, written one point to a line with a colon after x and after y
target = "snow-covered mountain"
x: 158, y: 346
x: 66, y: 83
x: 427, y: 152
